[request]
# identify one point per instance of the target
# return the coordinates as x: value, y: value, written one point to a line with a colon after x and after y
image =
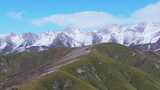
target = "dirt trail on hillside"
x: 45, y: 69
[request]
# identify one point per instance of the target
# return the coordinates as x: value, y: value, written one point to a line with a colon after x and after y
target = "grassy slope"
x: 26, y: 61
x: 108, y: 67
x: 148, y: 62
x: 57, y: 81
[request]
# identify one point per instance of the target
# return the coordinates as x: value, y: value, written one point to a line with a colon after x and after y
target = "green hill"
x: 13, y: 64
x: 107, y: 67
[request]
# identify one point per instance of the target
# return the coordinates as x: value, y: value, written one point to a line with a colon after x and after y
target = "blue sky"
x: 21, y: 16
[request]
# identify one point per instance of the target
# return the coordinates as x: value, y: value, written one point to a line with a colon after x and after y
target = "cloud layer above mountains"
x: 94, y: 19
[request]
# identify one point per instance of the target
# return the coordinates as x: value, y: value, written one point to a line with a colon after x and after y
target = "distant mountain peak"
x: 132, y: 34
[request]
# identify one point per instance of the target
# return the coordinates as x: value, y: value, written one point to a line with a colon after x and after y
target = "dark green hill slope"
x: 13, y: 64
x: 106, y: 67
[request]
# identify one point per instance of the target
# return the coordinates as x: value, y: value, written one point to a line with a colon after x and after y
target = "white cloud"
x: 15, y: 14
x: 88, y: 19
x: 93, y: 19
x: 150, y: 13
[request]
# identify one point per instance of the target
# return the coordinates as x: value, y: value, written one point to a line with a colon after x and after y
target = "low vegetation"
x: 108, y: 67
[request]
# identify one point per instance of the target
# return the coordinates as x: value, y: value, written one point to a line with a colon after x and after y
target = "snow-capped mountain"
x: 133, y: 34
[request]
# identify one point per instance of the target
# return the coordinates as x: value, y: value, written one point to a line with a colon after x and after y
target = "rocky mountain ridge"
x: 128, y: 35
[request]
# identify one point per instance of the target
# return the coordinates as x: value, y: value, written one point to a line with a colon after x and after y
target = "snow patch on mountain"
x: 140, y: 33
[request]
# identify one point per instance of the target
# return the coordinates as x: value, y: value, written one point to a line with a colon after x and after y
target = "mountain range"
x: 116, y: 57
x: 128, y: 35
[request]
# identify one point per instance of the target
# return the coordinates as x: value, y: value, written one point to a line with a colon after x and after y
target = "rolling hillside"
x: 104, y: 67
